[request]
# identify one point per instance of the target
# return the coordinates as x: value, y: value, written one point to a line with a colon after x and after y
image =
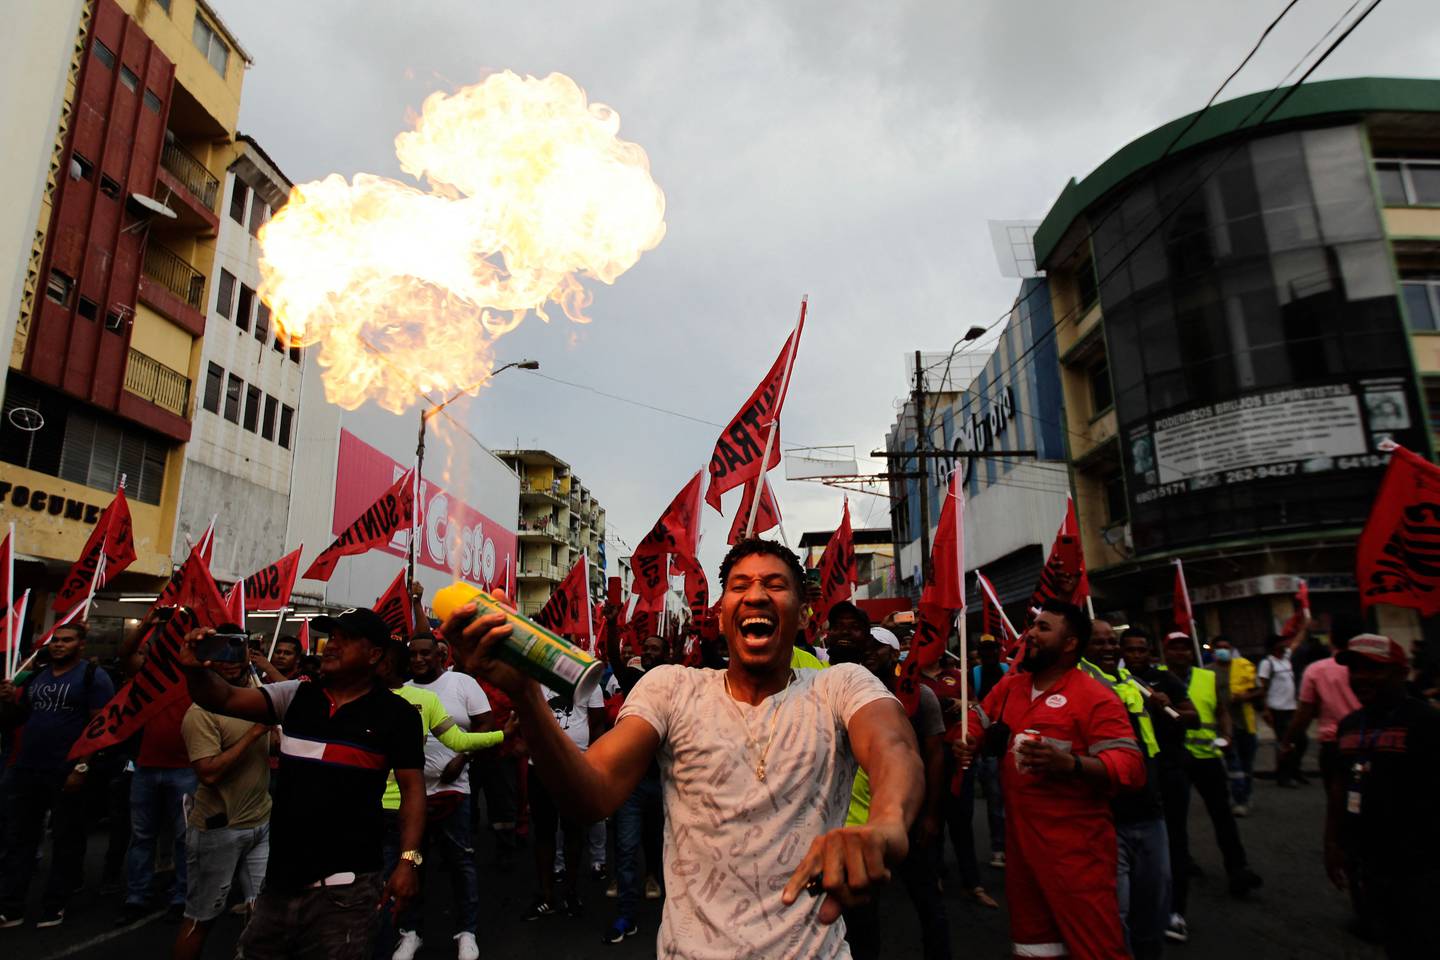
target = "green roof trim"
x: 1357, y: 95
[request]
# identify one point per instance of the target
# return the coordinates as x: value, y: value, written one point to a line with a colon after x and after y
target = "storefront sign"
x: 44, y: 501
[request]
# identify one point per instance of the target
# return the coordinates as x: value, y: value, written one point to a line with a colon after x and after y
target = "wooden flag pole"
x: 775, y: 421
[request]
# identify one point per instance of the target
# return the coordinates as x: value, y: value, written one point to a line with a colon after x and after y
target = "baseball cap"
x: 886, y: 637
x: 361, y: 621
x: 1178, y: 635
x: 988, y: 638
x: 1373, y: 647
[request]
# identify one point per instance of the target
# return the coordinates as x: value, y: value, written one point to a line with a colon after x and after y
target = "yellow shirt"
x: 799, y: 658
x: 436, y: 721
x: 1242, y: 680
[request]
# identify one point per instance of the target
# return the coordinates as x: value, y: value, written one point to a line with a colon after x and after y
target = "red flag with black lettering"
x: 741, y: 445
x: 1397, y: 560
x: 766, y: 518
x: 677, y: 532
x: 697, y: 585
x: 1063, y: 577
x: 837, y: 568
x: 115, y: 538
x: 392, y: 512
x: 395, y: 609
x: 932, y: 630
x: 568, y: 609
x: 269, y: 587
x: 946, y: 587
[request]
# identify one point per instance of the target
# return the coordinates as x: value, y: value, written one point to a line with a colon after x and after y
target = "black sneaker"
x: 540, y: 908
x: 176, y: 911
x: 574, y: 906
x: 130, y: 913
x: 620, y: 929
x: 50, y: 918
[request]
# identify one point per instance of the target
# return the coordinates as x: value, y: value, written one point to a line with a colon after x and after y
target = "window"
x: 1101, y: 399
x: 239, y: 192
x: 244, y: 308
x: 267, y: 422
x: 98, y: 451
x: 59, y: 287
x: 252, y: 408
x: 234, y: 389
x: 152, y: 102
x: 295, y: 352
x: 163, y: 5
x: 225, y: 295
x: 87, y: 308
x: 109, y: 187
x: 104, y: 54
x: 81, y: 168
x: 208, y: 41
x: 115, y: 320
x: 127, y: 77
x: 214, y: 381
x: 1408, y: 182
x: 262, y: 321
x: 259, y: 213
x: 1422, y: 302
x: 1085, y: 287
x: 1115, y: 507
x: 276, y: 344
x: 287, y: 414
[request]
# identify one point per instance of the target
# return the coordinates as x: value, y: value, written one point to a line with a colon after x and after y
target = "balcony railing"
x: 546, y: 525
x: 201, y: 183
x: 541, y: 568
x: 149, y: 379
x: 170, y: 270
x: 551, y: 489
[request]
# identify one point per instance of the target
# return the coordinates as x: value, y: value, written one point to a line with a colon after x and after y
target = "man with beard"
x: 1073, y: 749
x: 739, y: 881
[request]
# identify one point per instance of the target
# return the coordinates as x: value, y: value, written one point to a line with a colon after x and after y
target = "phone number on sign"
x: 1271, y: 471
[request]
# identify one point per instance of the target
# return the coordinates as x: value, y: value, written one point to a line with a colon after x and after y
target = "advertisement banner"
x: 454, y: 537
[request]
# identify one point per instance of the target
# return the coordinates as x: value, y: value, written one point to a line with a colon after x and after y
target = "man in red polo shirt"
x: 1068, y: 748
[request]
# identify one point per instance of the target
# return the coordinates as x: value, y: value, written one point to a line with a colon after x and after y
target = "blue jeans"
x: 1241, y: 761
x: 1143, y: 885
x: 457, y: 849
x: 987, y: 771
x: 155, y: 795
x: 630, y: 822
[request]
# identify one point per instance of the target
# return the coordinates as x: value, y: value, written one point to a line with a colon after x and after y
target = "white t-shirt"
x: 462, y: 698
x: 1280, y: 695
x: 732, y: 841
x: 574, y: 720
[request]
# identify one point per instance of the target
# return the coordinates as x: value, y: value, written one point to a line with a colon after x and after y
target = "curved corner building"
x: 1245, y: 305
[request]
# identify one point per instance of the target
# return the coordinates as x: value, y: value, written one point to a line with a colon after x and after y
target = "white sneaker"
x: 652, y: 889
x: 1240, y: 810
x: 1177, y: 929
x: 408, y: 946
x: 465, y: 946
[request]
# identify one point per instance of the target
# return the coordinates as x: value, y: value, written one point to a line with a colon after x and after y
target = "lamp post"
x: 425, y: 417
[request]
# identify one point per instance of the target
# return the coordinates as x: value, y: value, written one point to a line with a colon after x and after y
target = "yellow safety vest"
x: 1200, y: 741
x: 1133, y: 700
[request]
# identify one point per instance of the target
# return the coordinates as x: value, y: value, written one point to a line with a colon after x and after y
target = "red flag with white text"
x: 395, y: 609
x: 392, y: 512
x: 114, y: 537
x: 741, y: 445
x: 766, y: 518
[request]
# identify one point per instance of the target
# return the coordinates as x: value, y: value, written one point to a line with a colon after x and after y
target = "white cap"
x: 886, y: 637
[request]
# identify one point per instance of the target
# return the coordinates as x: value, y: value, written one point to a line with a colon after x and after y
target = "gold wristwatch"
x: 413, y: 856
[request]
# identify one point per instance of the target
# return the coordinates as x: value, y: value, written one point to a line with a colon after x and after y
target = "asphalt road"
x: 1295, y: 915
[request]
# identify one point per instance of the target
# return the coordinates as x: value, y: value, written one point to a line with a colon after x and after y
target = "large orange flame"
x: 530, y: 188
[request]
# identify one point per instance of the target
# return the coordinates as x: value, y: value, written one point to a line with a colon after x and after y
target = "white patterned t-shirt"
x: 731, y: 839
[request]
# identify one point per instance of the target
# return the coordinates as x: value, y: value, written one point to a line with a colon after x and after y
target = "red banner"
x: 741, y: 445
x: 1064, y: 575
x: 395, y: 609
x: 697, y: 585
x: 946, y: 587
x: 235, y: 604
x: 996, y: 623
x: 837, y: 569
x: 160, y: 680
x: 269, y: 587
x: 568, y: 609
x: 766, y: 518
x: 303, y: 636
x: 676, y: 533
x: 932, y: 629
x: 454, y: 537
x: 1397, y: 560
x: 391, y: 514
x: 114, y: 537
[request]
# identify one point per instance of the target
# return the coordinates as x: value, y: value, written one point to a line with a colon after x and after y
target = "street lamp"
x: 430, y: 412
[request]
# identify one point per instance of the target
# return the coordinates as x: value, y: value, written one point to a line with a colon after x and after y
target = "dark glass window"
x: 109, y: 187
x: 1422, y: 303
x: 81, y: 168
x: 129, y: 79
x: 1101, y: 398
x: 252, y: 408
x: 262, y: 321
x: 104, y: 54
x: 267, y: 422
x: 259, y: 212
x: 287, y: 416
x: 244, y: 307
x: 295, y: 353
x: 239, y: 193
x: 59, y: 287
x: 152, y: 102
x: 225, y: 294
x: 87, y: 308
x: 1392, y: 184
x: 1116, y: 509
x: 214, y: 381
x: 1085, y: 287
x: 234, y: 390
x: 1425, y: 181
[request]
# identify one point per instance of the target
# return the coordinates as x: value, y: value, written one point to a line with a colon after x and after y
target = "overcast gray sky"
x: 852, y: 151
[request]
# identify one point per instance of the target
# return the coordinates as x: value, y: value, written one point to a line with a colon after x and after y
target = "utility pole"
x: 922, y: 442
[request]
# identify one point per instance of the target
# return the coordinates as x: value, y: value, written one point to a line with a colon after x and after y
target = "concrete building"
x: 105, y: 342
x: 1244, y: 308
x: 874, y: 558
x: 559, y: 521
x: 241, y: 452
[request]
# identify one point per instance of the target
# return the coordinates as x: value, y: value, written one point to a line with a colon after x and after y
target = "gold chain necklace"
x: 750, y: 740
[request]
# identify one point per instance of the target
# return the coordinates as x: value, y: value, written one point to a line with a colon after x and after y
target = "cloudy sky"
x: 851, y: 151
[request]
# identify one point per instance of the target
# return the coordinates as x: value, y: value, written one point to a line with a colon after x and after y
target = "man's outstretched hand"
x: 846, y: 865
x: 473, y: 642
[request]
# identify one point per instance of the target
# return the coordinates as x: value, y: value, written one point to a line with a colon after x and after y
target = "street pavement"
x: 1295, y: 915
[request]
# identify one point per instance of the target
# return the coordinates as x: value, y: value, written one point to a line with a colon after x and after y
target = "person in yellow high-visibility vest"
x: 1205, y: 769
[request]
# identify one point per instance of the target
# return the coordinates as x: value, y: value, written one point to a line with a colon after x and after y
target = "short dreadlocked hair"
x: 768, y: 548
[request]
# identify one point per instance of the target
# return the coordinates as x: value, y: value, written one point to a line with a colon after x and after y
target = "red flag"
x: 677, y: 532
x: 946, y: 587
x: 1302, y: 598
x: 206, y: 545
x: 235, y: 603
x: 15, y: 626
x: 767, y: 518
x: 837, y: 568
x: 160, y: 680
x: 568, y: 609
x: 1184, y: 617
x: 1064, y: 575
x: 932, y: 629
x: 1397, y: 560
x: 697, y: 585
x: 112, y: 536
x: 377, y: 526
x: 269, y: 587
x: 303, y: 637
x: 741, y: 445
x: 395, y: 609
x: 996, y: 623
